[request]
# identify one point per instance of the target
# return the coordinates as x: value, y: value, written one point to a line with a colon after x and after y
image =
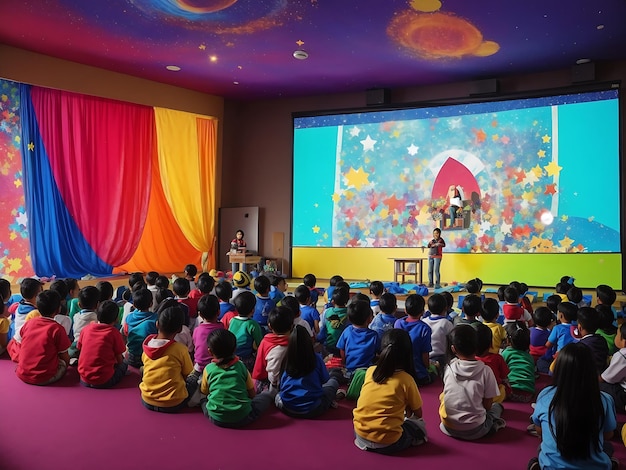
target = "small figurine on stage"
x: 434, y: 258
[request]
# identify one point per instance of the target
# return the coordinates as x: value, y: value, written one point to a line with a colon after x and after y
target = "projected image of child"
x: 455, y: 198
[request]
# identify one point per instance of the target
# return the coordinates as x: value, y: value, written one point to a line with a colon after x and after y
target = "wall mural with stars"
x: 14, y: 245
x: 536, y: 175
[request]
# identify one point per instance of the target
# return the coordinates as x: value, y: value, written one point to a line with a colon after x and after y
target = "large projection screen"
x: 538, y: 180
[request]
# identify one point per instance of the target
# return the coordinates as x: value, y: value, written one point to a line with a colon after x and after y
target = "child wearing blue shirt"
x: 307, y: 312
x: 358, y: 345
x: 385, y: 319
x: 420, y: 334
x: 264, y: 305
x: 224, y: 291
x: 561, y: 334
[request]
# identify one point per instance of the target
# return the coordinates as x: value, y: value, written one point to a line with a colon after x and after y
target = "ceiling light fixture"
x: 600, y: 26
x: 173, y: 68
x: 300, y: 54
x: 582, y: 61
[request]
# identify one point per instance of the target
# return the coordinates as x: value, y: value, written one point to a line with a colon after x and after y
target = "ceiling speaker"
x: 584, y: 72
x: 377, y: 96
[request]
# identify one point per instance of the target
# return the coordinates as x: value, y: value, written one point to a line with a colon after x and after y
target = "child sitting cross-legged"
x: 101, y: 347
x: 271, y: 352
x: 306, y: 389
x: 307, y: 312
x: 230, y: 400
x: 606, y: 328
x: 43, y: 354
x: 208, y: 311
x: 388, y: 415
x: 440, y: 326
x: 472, y: 308
x: 166, y: 363
x: 385, y: 320
x: 491, y: 311
x: 613, y: 379
x: 264, y: 304
x: 467, y: 409
x: 246, y: 330
x: 420, y: 334
x: 539, y: 335
x: 335, y: 321
x: 561, y: 334
x: 588, y: 323
x: 140, y: 323
x: 495, y: 361
x: 521, y: 367
x: 358, y: 345
x: 224, y: 292
x: 88, y: 300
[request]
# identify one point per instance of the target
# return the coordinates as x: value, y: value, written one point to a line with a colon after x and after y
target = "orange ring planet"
x: 439, y: 36
x: 204, y: 6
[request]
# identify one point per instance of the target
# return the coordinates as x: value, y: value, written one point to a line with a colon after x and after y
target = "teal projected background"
x: 537, y: 175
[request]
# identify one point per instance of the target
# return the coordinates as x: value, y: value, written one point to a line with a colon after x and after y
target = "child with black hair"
x: 291, y: 303
x: 388, y: 415
x: 264, y: 304
x: 139, y: 324
x: 561, y: 290
x: 208, y: 312
x: 440, y: 326
x: 358, y: 344
x: 278, y: 287
x: 491, y: 311
x: 387, y: 317
x: 575, y: 296
x: 539, y: 334
x: 514, y: 315
x: 162, y: 282
x: 605, y: 295
x: 613, y: 379
x: 420, y: 334
x: 335, y: 321
x: 190, y: 273
x: 72, y: 296
x: 484, y: 342
x: 151, y: 278
x: 306, y: 389
x: 307, y: 312
x: 43, y: 356
x: 467, y: 409
x: 474, y: 286
x: 246, y: 330
x: 129, y: 306
x: 223, y: 292
x: 552, y: 303
x: 310, y: 280
x: 101, y: 346
x: 88, y: 300
x: 472, y: 308
x: 451, y: 311
x: 574, y: 419
x: 332, y: 284
x: 106, y: 290
x: 524, y: 301
x: 606, y: 328
x: 29, y: 289
x: 588, y: 323
x: 272, y: 349
x: 62, y: 318
x: 5, y: 292
x: 231, y: 401
x: 166, y: 363
x: 561, y: 333
x: 377, y: 289
x: 435, y: 253
x: 521, y: 367
x: 204, y: 286
x: 501, y: 302
x: 181, y: 288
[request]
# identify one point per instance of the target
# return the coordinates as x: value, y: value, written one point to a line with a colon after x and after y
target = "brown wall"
x: 258, y: 140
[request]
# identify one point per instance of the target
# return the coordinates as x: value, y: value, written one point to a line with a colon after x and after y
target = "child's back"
x: 521, y: 366
x: 273, y: 346
x: 440, y: 327
x: 139, y: 325
x: 246, y: 330
x: 358, y: 343
x: 420, y: 334
x: 386, y: 318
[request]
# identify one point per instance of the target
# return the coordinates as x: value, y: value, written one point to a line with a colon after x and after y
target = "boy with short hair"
x: 435, y: 253
x: 181, y: 288
x: 88, y: 300
x: 247, y: 331
x: 588, y: 323
x: 521, y: 367
x: 420, y: 334
x: 166, y: 365
x: 539, y: 335
x: 472, y: 307
x: 440, y: 326
x: 307, y: 312
x: 43, y: 355
x: 208, y: 312
x: 272, y: 349
x: 264, y: 304
x: 278, y: 287
x: 335, y: 321
x: 491, y: 310
x: 484, y: 341
x: 101, y: 346
x: 151, y: 278
x: 514, y: 314
x: 310, y: 280
x: 386, y: 318
x: 377, y: 289
x: 140, y: 324
x: 613, y: 379
x: 358, y: 344
x: 190, y: 275
x: 561, y: 333
x: 223, y: 292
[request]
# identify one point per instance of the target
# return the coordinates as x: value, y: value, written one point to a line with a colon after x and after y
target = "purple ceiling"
x: 243, y: 49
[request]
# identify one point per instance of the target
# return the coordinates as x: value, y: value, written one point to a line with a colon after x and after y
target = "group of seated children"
x: 238, y: 358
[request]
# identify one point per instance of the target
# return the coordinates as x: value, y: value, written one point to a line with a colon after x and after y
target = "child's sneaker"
x: 341, y: 394
x: 498, y: 424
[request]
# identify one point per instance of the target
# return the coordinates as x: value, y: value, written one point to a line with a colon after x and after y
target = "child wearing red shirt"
x: 484, y: 340
x: 43, y: 355
x: 100, y: 364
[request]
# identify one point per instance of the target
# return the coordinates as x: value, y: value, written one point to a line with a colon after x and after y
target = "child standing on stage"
x: 306, y: 389
x: 434, y: 258
x: 388, y: 415
x: 574, y: 419
x: 467, y: 409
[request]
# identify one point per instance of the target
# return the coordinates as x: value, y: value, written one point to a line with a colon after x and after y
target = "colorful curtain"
x: 111, y: 185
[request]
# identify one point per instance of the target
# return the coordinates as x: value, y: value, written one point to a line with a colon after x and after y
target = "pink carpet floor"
x: 67, y: 426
